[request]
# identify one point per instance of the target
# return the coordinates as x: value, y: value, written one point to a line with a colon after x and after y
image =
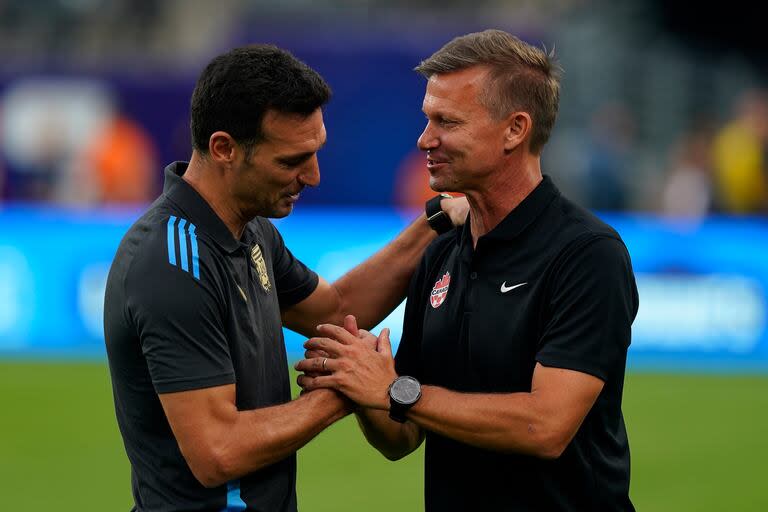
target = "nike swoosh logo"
x: 505, y: 288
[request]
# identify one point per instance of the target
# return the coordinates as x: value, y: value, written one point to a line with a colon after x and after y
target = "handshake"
x: 351, y: 361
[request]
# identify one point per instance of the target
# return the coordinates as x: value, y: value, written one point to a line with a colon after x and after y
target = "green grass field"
x: 699, y: 443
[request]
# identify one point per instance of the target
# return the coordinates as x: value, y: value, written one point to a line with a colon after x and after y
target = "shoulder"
x: 578, y: 238
x: 145, y: 238
x: 576, y: 229
x: 164, y: 248
x: 578, y: 222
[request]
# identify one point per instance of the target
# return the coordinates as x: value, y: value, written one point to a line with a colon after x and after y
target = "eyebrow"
x: 294, y: 159
x: 442, y: 112
x: 298, y: 157
x: 444, y: 115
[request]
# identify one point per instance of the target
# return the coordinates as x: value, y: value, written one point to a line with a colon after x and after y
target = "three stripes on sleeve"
x: 182, y: 245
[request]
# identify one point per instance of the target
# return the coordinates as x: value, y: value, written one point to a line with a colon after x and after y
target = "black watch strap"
x: 436, y: 216
x: 397, y: 411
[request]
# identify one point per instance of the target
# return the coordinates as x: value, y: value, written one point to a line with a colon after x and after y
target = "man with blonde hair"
x: 517, y: 325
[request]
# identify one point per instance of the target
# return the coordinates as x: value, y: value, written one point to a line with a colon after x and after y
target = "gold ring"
x: 325, y: 360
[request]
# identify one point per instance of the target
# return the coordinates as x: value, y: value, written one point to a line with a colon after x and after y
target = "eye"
x: 292, y: 163
x: 440, y: 120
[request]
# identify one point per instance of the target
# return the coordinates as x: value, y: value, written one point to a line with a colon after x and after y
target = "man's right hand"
x: 350, y: 324
x: 362, y: 374
x: 457, y: 209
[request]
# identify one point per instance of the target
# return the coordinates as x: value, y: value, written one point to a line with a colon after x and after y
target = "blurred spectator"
x: 412, y: 181
x: 688, y: 188
x: 45, y: 123
x: 412, y: 188
x: 123, y: 163
x: 35, y: 178
x: 2, y: 166
x: 740, y: 147
x: 609, y: 154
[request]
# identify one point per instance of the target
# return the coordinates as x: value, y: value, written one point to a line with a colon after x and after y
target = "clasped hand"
x: 351, y: 361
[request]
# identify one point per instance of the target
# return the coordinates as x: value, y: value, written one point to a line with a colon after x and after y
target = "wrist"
x: 404, y: 393
x: 336, y: 402
x: 437, y: 218
x: 345, y: 405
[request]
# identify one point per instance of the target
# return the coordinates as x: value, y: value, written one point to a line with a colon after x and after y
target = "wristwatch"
x: 436, y: 216
x: 404, y: 392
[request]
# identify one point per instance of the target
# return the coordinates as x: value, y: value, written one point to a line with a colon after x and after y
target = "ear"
x: 519, y: 126
x: 222, y: 147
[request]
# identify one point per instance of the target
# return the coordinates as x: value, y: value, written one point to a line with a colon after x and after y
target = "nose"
x: 428, y: 138
x: 310, y: 174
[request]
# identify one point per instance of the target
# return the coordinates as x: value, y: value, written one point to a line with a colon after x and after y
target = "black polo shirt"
x: 187, y: 307
x: 550, y: 284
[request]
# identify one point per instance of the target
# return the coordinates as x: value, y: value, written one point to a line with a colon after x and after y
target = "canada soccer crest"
x: 437, y: 296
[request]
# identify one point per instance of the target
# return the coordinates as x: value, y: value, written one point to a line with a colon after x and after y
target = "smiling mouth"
x: 431, y: 163
x: 434, y: 162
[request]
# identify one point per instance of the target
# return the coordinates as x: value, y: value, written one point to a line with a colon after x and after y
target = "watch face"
x: 405, y: 390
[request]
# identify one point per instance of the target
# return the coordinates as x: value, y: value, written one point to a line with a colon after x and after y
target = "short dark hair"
x: 521, y: 76
x: 236, y: 89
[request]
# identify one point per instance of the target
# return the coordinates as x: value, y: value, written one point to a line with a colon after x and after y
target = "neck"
x: 499, y: 195
x: 209, y: 181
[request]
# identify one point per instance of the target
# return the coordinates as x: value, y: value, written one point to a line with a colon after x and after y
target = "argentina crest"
x: 261, y: 267
x: 440, y: 290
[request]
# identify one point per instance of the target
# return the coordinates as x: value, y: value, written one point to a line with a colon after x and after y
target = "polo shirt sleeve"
x: 179, y: 318
x: 592, y: 304
x: 294, y: 282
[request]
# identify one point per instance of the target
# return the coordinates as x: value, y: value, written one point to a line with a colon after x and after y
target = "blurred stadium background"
x: 663, y: 131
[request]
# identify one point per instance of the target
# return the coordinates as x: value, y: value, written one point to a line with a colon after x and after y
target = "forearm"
x: 511, y: 422
x: 260, y: 437
x: 394, y: 440
x: 371, y: 290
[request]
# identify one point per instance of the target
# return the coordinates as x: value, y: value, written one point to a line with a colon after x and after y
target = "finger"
x: 350, y: 324
x: 303, y: 365
x: 384, y: 346
x: 309, y: 354
x: 370, y: 340
x: 317, y: 365
x: 310, y: 383
x: 331, y: 347
x: 337, y: 333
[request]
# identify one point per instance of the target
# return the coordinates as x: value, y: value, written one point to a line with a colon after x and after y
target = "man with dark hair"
x: 237, y: 89
x: 202, y: 284
x: 516, y: 326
